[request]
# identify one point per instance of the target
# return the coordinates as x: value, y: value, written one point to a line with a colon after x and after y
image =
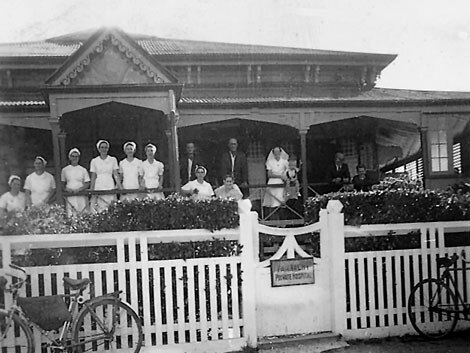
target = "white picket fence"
x: 356, y: 294
x: 223, y: 304
x: 378, y: 283
x: 193, y: 305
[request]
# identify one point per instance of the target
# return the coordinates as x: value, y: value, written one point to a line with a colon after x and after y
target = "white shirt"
x: 152, y: 173
x: 205, y: 189
x: 75, y: 177
x: 104, y: 168
x: 40, y: 187
x: 130, y: 172
x: 232, y: 156
x: 190, y: 167
x: 12, y: 203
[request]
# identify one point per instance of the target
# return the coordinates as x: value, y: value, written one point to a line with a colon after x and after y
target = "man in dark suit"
x: 234, y: 162
x: 188, y: 164
x: 338, y: 174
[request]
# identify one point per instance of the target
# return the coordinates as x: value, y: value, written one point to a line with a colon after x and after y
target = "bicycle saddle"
x: 446, y: 261
x: 76, y: 284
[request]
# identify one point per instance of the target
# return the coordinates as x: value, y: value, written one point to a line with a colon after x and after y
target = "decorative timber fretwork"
x: 110, y: 57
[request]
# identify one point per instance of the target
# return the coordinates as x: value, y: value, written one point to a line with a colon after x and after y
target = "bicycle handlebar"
x: 448, y: 261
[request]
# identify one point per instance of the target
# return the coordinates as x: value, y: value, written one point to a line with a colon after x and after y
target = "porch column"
x: 173, y: 143
x: 54, y: 121
x: 175, y: 152
x: 303, y: 158
x: 62, y: 148
x: 423, y: 131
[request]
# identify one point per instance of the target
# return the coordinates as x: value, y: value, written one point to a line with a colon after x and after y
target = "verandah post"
x: 248, y: 264
x: 335, y: 254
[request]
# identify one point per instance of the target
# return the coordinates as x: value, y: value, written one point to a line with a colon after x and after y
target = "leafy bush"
x: 394, y: 206
x: 175, y: 212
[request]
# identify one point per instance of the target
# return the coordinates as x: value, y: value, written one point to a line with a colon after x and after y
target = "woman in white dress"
x: 75, y: 178
x: 276, y: 167
x: 198, y: 189
x: 153, y: 174
x: 130, y: 169
x: 104, y: 171
x: 13, y: 201
x: 39, y: 186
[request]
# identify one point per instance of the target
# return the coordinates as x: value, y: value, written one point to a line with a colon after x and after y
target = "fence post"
x: 248, y: 265
x: 336, y: 262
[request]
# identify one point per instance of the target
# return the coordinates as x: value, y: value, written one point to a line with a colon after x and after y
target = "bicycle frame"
x: 63, y: 341
x: 447, y: 278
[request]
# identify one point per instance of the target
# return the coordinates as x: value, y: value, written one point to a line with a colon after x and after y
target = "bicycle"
x: 103, y: 322
x: 436, y: 304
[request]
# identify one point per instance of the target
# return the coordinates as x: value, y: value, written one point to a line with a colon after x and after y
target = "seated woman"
x: 75, y: 178
x: 39, y: 186
x: 104, y: 171
x: 276, y: 166
x: 14, y: 200
x: 361, y: 182
x: 198, y: 189
x: 153, y: 174
x: 130, y: 169
x: 229, y: 190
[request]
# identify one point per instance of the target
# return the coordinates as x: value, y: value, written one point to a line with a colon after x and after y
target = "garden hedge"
x: 394, y: 206
x: 175, y: 212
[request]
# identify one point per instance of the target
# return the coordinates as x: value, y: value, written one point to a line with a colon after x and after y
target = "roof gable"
x: 110, y: 57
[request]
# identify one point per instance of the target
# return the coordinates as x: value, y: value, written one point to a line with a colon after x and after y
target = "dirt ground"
x: 456, y: 344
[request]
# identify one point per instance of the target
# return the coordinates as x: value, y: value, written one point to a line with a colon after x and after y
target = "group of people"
x: 339, y: 177
x: 145, y: 178
x: 142, y: 178
x: 105, y: 174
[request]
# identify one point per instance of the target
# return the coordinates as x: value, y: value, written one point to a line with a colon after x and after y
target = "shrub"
x: 175, y: 212
x: 394, y: 206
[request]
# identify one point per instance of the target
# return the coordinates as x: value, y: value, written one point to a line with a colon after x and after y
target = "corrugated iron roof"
x: 67, y: 44
x: 30, y: 99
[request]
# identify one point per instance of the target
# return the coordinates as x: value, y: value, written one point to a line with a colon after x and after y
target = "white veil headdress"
x: 271, y: 157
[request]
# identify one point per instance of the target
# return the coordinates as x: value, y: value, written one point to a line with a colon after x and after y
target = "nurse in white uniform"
x: 153, y: 174
x: 276, y: 166
x: 75, y: 178
x: 14, y: 200
x: 104, y: 171
x: 130, y: 169
x: 39, y: 186
x: 198, y: 189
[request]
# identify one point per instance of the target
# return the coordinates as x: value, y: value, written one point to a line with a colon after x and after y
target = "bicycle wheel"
x: 431, y: 309
x: 97, y: 329
x: 15, y: 335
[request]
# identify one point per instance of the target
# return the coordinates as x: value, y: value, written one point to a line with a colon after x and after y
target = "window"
x: 438, y: 143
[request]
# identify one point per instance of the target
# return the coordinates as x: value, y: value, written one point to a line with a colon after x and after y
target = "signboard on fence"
x: 291, y: 272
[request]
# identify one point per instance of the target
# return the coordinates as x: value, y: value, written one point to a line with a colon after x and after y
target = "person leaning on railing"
x: 276, y: 166
x: 130, y: 169
x: 12, y: 201
x: 229, y: 190
x: 198, y: 189
x: 152, y: 178
x: 75, y: 179
x: 104, y: 172
x: 39, y: 185
x: 338, y: 174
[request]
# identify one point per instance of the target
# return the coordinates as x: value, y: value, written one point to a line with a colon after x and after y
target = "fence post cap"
x: 244, y: 206
x: 334, y: 206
